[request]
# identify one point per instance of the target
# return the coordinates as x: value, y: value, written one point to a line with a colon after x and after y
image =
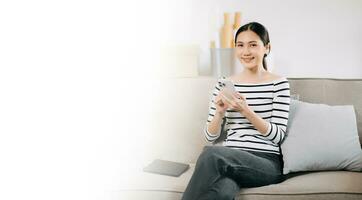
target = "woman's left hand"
x: 237, y: 102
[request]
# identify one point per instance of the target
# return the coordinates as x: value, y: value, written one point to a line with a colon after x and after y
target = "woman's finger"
x: 240, y: 96
x: 225, y: 99
x: 217, y: 99
x: 237, y: 100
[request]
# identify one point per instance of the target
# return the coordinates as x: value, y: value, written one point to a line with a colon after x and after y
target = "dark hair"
x: 261, y: 31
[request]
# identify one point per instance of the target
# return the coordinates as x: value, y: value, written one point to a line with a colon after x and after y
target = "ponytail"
x: 264, y: 63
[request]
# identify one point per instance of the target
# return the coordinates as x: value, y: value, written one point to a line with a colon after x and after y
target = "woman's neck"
x: 255, y: 73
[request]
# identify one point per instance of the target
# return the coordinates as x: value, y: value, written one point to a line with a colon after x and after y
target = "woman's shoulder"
x: 275, y: 77
x: 279, y: 81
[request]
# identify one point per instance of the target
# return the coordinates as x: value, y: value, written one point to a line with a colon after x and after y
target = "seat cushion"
x: 313, y: 183
x: 310, y: 185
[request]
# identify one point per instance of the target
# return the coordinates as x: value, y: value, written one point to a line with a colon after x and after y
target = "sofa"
x: 179, y: 116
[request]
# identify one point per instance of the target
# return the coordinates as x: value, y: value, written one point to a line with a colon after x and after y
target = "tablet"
x: 165, y: 167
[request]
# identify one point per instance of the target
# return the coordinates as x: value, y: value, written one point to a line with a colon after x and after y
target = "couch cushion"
x: 311, y: 183
x: 144, y: 195
x: 321, y: 137
x: 314, y: 182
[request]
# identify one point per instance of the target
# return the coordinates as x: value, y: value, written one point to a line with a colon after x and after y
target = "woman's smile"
x: 248, y: 59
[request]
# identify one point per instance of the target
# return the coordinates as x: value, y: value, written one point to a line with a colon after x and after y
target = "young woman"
x: 254, y: 119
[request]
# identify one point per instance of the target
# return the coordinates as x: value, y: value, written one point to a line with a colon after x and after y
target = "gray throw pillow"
x: 321, y: 137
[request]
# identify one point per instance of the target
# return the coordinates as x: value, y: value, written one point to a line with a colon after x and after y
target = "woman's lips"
x: 247, y: 59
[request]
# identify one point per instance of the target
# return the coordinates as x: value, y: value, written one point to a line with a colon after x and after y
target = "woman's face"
x: 250, y: 50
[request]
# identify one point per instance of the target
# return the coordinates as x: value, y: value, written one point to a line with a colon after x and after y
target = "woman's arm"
x: 239, y: 103
x: 259, y: 123
x: 275, y: 130
x: 215, y: 119
x: 214, y: 127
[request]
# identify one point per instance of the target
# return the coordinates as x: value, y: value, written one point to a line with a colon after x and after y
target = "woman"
x: 255, y: 121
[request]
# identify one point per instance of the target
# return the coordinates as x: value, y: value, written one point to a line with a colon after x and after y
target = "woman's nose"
x: 246, y: 51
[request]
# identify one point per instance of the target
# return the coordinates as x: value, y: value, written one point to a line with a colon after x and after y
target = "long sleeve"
x: 277, y: 126
x: 212, y: 110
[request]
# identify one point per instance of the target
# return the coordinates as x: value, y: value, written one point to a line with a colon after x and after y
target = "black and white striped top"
x: 268, y: 100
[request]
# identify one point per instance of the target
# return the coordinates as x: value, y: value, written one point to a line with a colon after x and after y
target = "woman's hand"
x: 220, y: 106
x: 235, y: 102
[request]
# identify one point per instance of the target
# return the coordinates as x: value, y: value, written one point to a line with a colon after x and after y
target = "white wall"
x: 310, y: 38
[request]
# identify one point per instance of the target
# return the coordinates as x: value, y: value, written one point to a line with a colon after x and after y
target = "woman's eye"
x: 239, y: 45
x: 253, y: 45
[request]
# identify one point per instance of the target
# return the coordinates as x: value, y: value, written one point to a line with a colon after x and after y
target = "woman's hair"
x: 260, y: 30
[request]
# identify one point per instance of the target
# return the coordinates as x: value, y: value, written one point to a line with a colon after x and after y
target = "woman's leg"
x: 255, y: 169
x: 207, y: 181
x: 218, y: 164
x: 224, y: 189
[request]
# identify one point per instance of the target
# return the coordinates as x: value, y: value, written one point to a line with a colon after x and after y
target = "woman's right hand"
x: 220, y: 106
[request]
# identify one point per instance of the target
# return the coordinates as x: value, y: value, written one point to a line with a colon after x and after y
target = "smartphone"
x: 227, y: 87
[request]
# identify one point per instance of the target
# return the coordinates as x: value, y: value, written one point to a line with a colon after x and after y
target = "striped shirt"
x: 268, y: 100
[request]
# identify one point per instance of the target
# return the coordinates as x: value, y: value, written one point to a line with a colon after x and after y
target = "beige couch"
x: 180, y: 114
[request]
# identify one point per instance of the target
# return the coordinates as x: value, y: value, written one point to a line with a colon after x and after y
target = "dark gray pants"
x: 221, y: 172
